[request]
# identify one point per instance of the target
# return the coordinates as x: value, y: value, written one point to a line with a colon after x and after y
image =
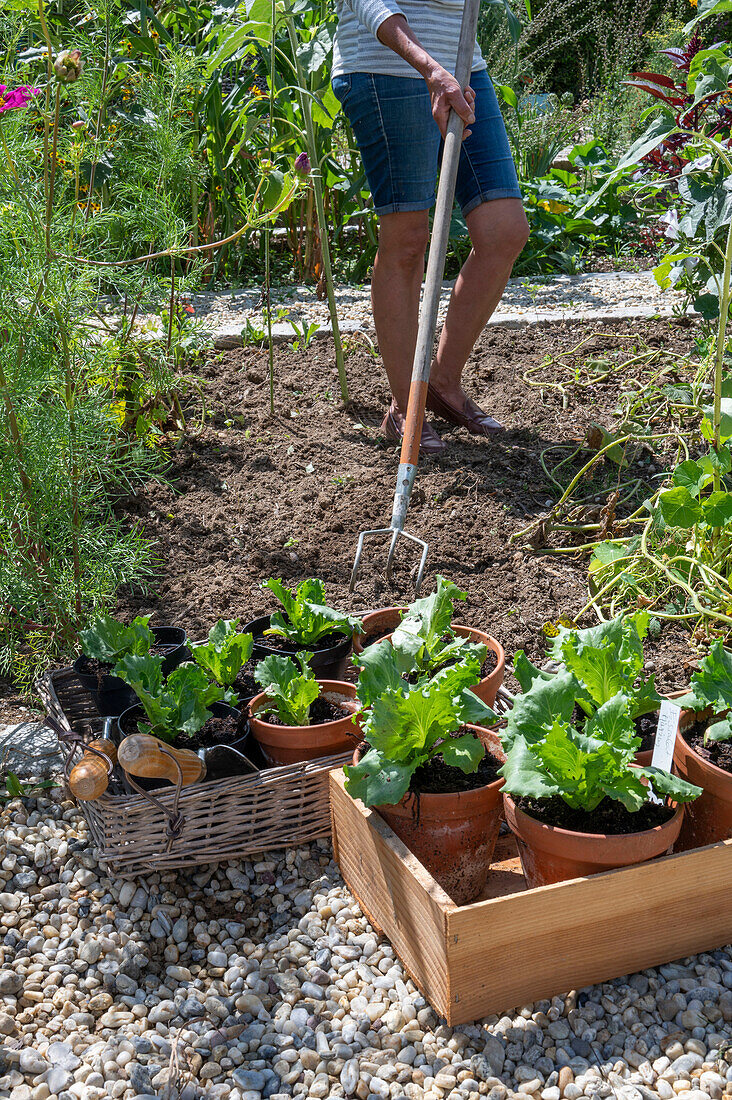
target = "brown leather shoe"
x: 430, y: 443
x: 470, y: 416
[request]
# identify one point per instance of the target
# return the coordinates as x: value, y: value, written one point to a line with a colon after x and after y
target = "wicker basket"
x: 205, y: 823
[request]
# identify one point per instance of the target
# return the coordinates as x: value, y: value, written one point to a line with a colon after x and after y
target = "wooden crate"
x: 516, y: 945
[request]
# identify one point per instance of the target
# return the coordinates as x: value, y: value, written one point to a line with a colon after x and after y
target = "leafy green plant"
x: 425, y: 639
x: 178, y: 704
x: 585, y: 765
x: 307, y: 618
x: 292, y: 692
x: 109, y: 640
x: 407, y: 725
x: 711, y: 686
x: 604, y: 660
x: 225, y: 653
x: 549, y: 754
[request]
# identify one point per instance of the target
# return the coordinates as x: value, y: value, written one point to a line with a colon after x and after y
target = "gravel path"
x: 620, y: 295
x: 264, y: 979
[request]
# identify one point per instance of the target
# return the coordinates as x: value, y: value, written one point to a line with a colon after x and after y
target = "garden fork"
x: 409, y: 455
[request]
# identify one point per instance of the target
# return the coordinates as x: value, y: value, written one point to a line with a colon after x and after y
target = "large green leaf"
x: 533, y: 712
x: 465, y: 752
x: 679, y: 508
x: 526, y: 672
x: 718, y: 509
x: 225, y: 652
x: 377, y: 780
x: 691, y: 476
x: 292, y: 691
x: 711, y: 684
x: 663, y: 125
x: 107, y: 639
x: 719, y: 731
x: 381, y: 669
x: 523, y: 775
x: 664, y: 783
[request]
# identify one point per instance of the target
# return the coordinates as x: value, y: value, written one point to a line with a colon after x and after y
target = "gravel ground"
x: 264, y: 979
x: 564, y: 297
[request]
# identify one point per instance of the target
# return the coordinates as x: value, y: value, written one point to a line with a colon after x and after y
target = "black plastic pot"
x: 329, y: 662
x: 221, y: 760
x: 112, y: 695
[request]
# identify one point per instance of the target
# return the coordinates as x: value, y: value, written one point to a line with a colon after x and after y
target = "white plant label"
x: 668, y: 727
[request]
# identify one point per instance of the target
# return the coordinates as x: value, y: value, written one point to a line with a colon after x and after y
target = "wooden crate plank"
x: 399, y: 897
x: 509, y: 951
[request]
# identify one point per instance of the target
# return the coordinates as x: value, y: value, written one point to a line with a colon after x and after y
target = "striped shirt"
x: 436, y: 24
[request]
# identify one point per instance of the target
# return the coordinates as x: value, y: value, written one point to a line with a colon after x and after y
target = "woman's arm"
x: 445, y: 92
x: 387, y: 23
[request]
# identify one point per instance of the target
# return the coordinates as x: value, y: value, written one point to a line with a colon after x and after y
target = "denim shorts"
x: 401, y: 145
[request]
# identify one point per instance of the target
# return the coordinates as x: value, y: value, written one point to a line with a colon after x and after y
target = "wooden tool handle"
x: 145, y: 756
x: 90, y: 777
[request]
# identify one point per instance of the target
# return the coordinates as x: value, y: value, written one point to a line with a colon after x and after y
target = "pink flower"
x: 302, y: 164
x: 18, y: 97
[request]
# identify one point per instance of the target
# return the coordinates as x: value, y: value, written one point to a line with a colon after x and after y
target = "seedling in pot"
x: 224, y: 655
x: 711, y: 686
x: 292, y: 692
x: 307, y: 619
x: 407, y: 725
x: 178, y: 705
x: 425, y: 632
x: 108, y: 640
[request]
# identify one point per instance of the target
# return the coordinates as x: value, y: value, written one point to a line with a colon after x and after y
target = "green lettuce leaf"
x: 377, y: 780
x: 292, y: 692
x: 711, y: 684
x: 108, y: 640
x: 177, y: 705
x: 307, y: 618
x: 225, y: 652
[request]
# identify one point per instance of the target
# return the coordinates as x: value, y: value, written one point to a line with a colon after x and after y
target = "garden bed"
x: 514, y: 945
x: 255, y: 495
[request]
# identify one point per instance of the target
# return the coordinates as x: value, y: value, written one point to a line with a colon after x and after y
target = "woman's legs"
x: 395, y: 288
x: 498, y: 231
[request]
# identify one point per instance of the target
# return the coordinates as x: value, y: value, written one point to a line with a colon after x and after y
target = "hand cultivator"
x: 409, y: 456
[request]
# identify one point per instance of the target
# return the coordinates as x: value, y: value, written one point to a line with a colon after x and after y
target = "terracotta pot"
x: 709, y: 817
x: 487, y: 688
x: 549, y: 854
x: 381, y: 622
x: 452, y: 835
x: 293, y: 744
x: 329, y: 662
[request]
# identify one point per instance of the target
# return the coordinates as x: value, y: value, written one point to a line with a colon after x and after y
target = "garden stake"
x: 409, y: 456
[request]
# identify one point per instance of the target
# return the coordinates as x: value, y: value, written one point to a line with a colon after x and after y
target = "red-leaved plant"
x: 713, y: 114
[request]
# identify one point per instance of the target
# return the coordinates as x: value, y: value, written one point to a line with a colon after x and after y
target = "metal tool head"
x: 395, y: 534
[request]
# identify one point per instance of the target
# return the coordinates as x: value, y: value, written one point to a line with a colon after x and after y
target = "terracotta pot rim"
x: 440, y: 800
x: 330, y: 686
x: 717, y: 772
x: 614, y: 839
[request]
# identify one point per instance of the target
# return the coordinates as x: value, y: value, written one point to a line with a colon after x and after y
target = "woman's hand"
x: 446, y: 95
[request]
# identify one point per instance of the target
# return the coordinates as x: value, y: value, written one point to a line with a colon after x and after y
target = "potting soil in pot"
x: 718, y: 753
x: 275, y: 641
x: 245, y: 686
x: 609, y: 817
x: 437, y: 777
x: 219, y: 730
x: 490, y: 662
x: 320, y: 711
x: 92, y: 666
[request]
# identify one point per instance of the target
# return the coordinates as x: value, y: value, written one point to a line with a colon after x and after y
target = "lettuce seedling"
x: 307, y: 619
x: 425, y: 633
x: 711, y: 686
x: 107, y: 639
x: 585, y: 766
x: 406, y: 725
x: 291, y: 692
x: 604, y: 660
x: 225, y: 653
x: 178, y: 704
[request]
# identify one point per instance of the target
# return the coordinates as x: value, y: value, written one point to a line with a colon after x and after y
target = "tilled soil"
x: 254, y: 495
